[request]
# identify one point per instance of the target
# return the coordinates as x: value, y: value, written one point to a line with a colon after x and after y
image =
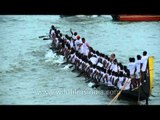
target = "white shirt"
x: 84, y: 49
x: 114, y: 67
x: 52, y: 31
x: 51, y: 34
x: 109, y: 64
x: 74, y: 37
x: 77, y: 42
x: 138, y: 65
x: 71, y: 43
x: 127, y: 86
x: 115, y: 78
x: 109, y: 80
x: 106, y: 78
x: 74, y: 58
x: 131, y: 67
x: 57, y: 42
x: 119, y: 84
x: 103, y: 59
x: 100, y: 64
x: 93, y: 60
x: 103, y: 75
x: 144, y: 63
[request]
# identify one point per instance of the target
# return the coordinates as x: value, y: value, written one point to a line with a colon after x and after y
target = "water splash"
x: 52, y: 57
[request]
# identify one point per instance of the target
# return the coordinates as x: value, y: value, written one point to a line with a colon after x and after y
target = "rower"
x: 112, y: 57
x: 132, y: 67
x: 128, y: 80
x: 84, y: 47
x: 114, y: 66
x: 115, y: 79
x: 77, y: 43
x: 120, y: 80
x: 74, y: 35
x: 144, y: 66
x: 93, y: 59
x: 109, y: 83
x: 51, y: 31
x: 137, y: 72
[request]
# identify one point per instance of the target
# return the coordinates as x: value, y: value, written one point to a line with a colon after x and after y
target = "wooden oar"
x: 43, y: 36
x: 153, y: 95
x: 47, y: 39
x: 118, y: 94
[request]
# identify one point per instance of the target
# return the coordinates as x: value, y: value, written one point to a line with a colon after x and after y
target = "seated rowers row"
x: 99, y: 74
x: 74, y: 49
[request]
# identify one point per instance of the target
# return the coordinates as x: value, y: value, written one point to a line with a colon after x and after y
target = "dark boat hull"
x: 141, y: 93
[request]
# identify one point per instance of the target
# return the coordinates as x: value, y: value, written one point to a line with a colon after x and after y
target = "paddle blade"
x: 46, y: 39
x: 91, y: 84
x: 42, y: 36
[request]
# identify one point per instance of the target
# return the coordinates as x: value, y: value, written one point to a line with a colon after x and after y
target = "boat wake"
x: 66, y: 67
x: 51, y: 57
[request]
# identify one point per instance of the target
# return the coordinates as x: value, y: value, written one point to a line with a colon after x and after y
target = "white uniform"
x: 138, y: 65
x: 103, y: 59
x: 73, y: 58
x: 94, y: 60
x: 131, y: 67
x: 74, y: 37
x: 77, y: 43
x: 57, y: 42
x: 51, y: 34
x: 127, y: 86
x: 120, y: 81
x: 106, y: 78
x: 109, y: 64
x: 109, y: 80
x: 105, y: 65
x: 103, y: 75
x: 114, y: 67
x: 84, y: 49
x: 144, y: 63
x: 71, y: 43
x: 114, y: 80
x: 100, y: 64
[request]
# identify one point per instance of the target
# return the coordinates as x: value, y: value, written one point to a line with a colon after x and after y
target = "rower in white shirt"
x: 138, y: 72
x: 131, y: 67
x: 93, y: 59
x: 84, y: 47
x: 114, y: 66
x: 120, y: 80
x: 78, y: 41
x: 144, y: 66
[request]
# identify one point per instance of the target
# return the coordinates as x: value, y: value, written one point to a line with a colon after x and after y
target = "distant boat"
x: 62, y: 16
x: 136, y: 17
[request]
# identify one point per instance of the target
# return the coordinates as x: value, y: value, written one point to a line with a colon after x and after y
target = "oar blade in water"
x: 46, y: 39
x: 42, y: 36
